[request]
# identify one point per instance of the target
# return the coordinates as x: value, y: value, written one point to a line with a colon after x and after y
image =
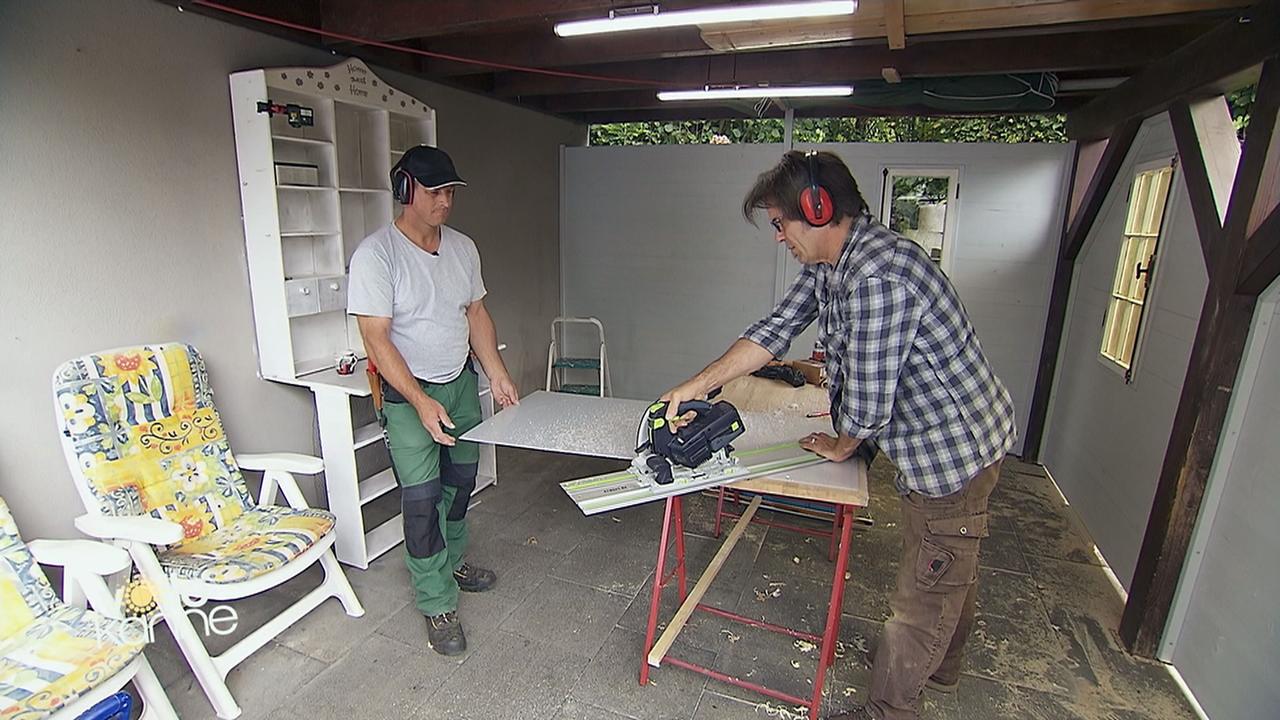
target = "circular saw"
x: 691, y: 451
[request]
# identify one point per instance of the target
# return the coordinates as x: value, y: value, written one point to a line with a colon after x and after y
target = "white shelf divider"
x: 367, y: 435
x: 301, y: 140
x: 384, y: 537
x: 376, y: 486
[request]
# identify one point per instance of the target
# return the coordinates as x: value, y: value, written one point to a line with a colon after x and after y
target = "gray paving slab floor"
x: 561, y: 636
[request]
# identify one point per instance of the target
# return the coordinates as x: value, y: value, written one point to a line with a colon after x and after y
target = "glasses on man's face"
x: 776, y: 223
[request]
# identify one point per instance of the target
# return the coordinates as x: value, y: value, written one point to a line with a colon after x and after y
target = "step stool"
x: 559, y: 367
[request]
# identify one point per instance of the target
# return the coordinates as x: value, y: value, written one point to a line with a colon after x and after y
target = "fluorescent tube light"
x: 757, y: 92
x: 709, y: 16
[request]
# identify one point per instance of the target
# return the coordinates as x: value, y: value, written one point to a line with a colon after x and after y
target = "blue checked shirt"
x: 905, y: 368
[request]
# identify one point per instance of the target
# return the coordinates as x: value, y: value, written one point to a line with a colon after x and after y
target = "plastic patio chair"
x: 59, y: 659
x: 156, y: 474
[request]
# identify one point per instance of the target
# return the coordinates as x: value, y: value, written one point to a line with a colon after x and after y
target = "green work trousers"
x: 436, y: 483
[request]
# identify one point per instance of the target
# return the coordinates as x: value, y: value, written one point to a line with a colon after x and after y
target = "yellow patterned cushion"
x: 142, y: 424
x: 257, y: 542
x: 60, y: 657
x: 25, y: 594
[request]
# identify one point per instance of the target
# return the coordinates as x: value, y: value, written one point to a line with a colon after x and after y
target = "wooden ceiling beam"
x: 1068, y: 52
x: 543, y: 50
x: 389, y: 20
x: 943, y: 16
x: 895, y: 24
x: 1216, y: 61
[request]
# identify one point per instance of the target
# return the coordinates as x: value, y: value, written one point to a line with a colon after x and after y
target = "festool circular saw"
x: 694, y: 450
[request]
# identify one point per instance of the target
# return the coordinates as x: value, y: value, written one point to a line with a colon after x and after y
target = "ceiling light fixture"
x: 649, y: 17
x: 711, y: 93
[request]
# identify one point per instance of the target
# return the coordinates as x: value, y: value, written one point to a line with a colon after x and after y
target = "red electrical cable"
x: 415, y: 51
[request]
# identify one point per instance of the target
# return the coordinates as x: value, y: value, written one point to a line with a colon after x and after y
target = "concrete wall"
x: 1227, y: 644
x: 120, y: 218
x: 654, y: 245
x: 1105, y: 439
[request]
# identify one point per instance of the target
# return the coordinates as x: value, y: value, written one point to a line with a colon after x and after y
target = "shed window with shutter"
x: 1135, y: 265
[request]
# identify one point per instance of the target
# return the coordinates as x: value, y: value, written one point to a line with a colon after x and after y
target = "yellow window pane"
x: 1108, y: 328
x: 1137, y: 204
x: 1155, y: 207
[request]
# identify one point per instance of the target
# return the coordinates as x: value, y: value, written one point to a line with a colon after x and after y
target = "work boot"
x: 473, y: 579
x: 444, y: 633
x: 942, y: 685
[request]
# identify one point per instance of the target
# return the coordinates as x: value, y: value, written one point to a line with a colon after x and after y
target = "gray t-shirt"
x: 425, y: 295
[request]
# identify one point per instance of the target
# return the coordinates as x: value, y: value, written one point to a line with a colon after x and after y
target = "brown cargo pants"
x: 933, y: 605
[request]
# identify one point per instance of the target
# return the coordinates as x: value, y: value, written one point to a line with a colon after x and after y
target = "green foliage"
x: 909, y: 193
x: 1241, y: 104
x: 995, y: 128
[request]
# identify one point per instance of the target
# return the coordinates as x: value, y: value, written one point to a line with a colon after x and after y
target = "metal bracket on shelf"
x: 295, y: 114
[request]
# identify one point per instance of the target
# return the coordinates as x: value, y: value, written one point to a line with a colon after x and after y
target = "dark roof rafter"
x: 399, y: 19
x: 1083, y: 51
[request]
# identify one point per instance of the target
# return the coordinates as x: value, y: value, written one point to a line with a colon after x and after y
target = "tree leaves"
x: 993, y: 128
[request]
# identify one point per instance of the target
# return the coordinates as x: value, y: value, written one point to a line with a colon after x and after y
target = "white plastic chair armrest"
x: 288, y: 462
x: 80, y: 555
x: 138, y: 528
x: 288, y: 484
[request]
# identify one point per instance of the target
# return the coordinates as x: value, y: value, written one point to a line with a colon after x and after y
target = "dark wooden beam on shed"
x: 1066, y: 52
x: 545, y: 50
x: 1263, y: 256
x: 1216, y: 355
x: 1076, y: 229
x: 399, y: 19
x: 1214, y: 62
x: 1195, y: 174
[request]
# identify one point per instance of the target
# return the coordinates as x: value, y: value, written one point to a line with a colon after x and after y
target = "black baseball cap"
x: 430, y: 166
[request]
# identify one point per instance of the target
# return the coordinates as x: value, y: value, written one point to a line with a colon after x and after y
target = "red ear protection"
x: 402, y: 186
x: 815, y: 201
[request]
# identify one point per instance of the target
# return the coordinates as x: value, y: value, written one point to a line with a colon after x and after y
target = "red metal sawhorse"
x: 655, y: 653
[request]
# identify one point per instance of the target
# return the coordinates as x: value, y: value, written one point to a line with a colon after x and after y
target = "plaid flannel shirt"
x: 904, y: 365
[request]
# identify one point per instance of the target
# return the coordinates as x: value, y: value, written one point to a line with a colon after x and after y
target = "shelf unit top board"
x: 351, y: 82
x: 302, y: 229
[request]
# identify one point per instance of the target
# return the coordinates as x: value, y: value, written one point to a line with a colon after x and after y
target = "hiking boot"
x: 942, y: 685
x: 473, y: 579
x: 444, y: 633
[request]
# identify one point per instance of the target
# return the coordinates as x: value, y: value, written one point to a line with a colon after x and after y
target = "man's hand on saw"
x: 689, y: 390
x: 435, y: 420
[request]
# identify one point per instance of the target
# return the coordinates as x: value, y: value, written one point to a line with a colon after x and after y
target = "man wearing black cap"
x: 417, y: 294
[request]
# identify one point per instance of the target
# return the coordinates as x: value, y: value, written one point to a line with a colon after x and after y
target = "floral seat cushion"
x: 255, y: 543
x: 61, y: 656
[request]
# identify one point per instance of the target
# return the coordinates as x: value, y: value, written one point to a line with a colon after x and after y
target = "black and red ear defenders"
x: 402, y: 186
x: 815, y: 201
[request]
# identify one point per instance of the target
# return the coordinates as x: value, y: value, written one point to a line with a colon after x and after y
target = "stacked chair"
x: 59, y: 659
x: 155, y: 472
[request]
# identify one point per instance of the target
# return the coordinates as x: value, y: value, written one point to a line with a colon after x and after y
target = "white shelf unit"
x: 299, y: 238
